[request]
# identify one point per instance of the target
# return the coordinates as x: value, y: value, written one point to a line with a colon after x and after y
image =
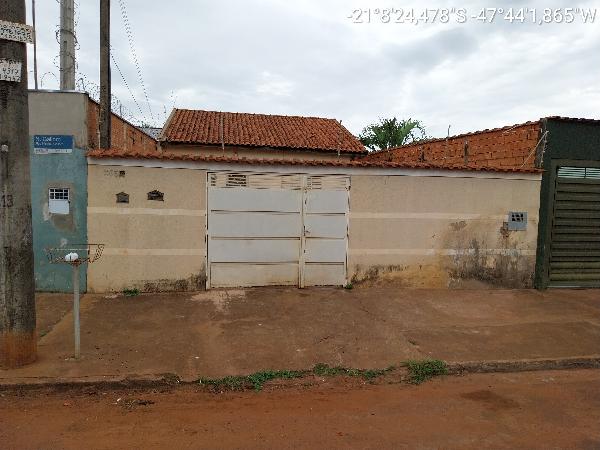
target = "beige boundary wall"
x: 442, y: 231
x: 150, y: 245
x: 416, y: 228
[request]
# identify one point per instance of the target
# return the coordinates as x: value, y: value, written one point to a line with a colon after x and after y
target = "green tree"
x: 390, y: 133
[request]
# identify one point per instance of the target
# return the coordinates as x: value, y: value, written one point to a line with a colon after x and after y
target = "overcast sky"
x: 307, y: 57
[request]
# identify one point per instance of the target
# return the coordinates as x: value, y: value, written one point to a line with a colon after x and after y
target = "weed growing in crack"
x: 368, y: 374
x: 255, y: 380
x: 131, y: 292
x: 232, y: 383
x: 258, y: 379
x: 421, y: 371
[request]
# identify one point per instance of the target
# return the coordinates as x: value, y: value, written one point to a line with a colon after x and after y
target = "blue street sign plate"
x: 45, y: 144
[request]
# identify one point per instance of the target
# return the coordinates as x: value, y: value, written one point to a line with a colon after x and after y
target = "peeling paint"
x: 484, y: 256
x: 511, y: 269
x: 58, y: 230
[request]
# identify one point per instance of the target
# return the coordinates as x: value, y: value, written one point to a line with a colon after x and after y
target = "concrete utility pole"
x: 105, y: 88
x: 17, y: 301
x: 67, y: 45
x: 35, y: 66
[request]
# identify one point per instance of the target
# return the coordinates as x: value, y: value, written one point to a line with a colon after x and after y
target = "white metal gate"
x: 276, y: 229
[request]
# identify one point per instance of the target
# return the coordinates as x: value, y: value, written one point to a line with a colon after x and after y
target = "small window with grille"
x: 156, y: 196
x: 58, y: 200
x: 122, y: 197
x: 517, y: 221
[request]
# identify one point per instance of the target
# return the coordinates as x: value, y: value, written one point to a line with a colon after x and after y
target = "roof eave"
x: 291, y: 149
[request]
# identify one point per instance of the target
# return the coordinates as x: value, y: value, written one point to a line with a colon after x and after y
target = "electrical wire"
x: 129, y: 32
x: 112, y: 56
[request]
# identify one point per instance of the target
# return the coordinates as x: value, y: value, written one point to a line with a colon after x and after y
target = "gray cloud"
x: 425, y: 54
x: 281, y: 57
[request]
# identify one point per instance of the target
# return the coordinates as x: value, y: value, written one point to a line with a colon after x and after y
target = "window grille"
x: 58, y: 194
x: 122, y: 197
x: 517, y: 221
x: 156, y: 195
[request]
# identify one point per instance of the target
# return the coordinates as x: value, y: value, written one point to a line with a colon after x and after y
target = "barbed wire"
x: 92, y: 88
x: 129, y: 33
x: 114, y: 60
x: 117, y: 106
x: 44, y: 75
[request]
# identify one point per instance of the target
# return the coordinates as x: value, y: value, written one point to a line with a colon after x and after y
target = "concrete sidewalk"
x: 232, y: 332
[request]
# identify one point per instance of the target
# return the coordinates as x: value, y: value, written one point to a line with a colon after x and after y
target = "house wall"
x: 254, y: 153
x: 124, y: 135
x: 441, y: 231
x: 503, y: 147
x: 150, y: 245
x: 417, y: 230
x: 58, y: 113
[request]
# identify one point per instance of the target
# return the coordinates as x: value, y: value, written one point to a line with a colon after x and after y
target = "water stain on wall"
x: 480, y: 258
x: 494, y: 259
x: 196, y: 282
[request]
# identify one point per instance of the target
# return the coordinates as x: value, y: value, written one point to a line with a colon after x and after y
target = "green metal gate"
x: 575, y: 235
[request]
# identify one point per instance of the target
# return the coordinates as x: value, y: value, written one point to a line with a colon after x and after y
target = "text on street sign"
x: 48, y: 144
x: 10, y: 70
x: 18, y: 32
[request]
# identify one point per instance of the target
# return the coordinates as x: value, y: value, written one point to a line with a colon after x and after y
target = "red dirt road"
x: 549, y: 410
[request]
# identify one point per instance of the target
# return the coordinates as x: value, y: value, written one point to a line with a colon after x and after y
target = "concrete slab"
x: 231, y: 332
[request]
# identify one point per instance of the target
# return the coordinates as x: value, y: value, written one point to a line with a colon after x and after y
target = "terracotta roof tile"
x: 259, y: 130
x: 362, y: 162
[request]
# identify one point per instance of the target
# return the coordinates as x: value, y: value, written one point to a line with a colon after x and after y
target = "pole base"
x: 17, y: 349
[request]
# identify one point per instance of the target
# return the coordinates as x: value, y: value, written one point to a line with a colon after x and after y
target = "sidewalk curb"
x: 169, y: 379
x: 106, y: 381
x: 524, y: 365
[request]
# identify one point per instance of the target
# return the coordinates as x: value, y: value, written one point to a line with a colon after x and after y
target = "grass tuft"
x: 424, y: 370
x: 131, y: 292
x: 255, y: 380
x: 258, y: 379
x: 368, y: 374
x: 232, y: 383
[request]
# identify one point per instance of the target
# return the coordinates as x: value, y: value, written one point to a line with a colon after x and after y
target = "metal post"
x: 76, y: 311
x: 105, y: 87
